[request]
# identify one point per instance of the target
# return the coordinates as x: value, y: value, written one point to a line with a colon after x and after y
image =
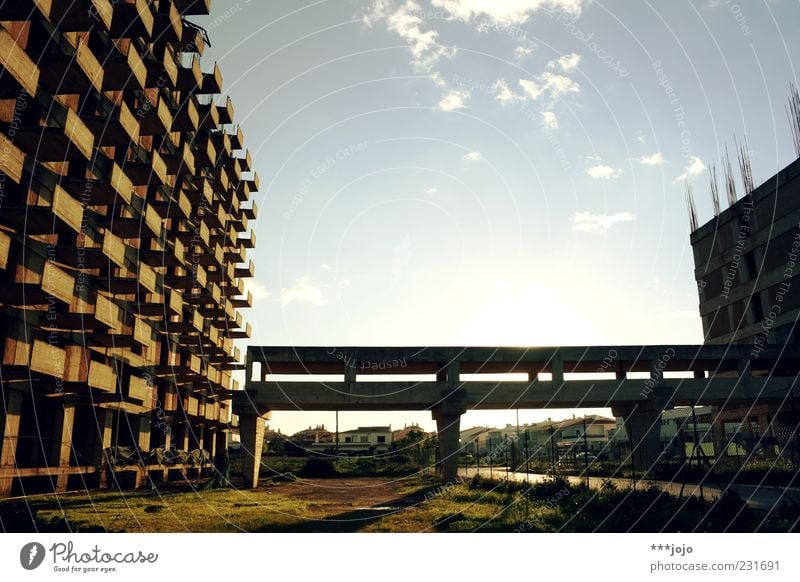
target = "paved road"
x: 764, y: 497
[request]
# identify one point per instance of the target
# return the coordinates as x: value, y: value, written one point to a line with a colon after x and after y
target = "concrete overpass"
x: 636, y: 382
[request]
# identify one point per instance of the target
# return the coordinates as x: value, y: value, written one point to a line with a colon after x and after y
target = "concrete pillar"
x: 182, y: 437
x: 643, y: 427
x: 200, y: 434
x: 105, y: 427
x: 8, y: 453
x: 64, y: 450
x: 448, y: 429
x: 220, y: 450
x: 144, y: 430
x: 719, y: 437
x: 251, y: 431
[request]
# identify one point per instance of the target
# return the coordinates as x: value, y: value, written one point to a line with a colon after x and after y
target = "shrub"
x: 318, y: 468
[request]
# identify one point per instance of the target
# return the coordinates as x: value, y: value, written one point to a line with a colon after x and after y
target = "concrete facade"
x: 124, y: 208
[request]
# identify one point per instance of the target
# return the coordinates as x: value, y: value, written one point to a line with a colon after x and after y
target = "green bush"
x: 319, y: 468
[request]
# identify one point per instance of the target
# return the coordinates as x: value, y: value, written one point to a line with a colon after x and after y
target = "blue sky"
x: 476, y: 172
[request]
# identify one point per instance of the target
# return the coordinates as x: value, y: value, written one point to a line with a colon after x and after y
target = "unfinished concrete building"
x: 124, y: 211
x: 747, y: 267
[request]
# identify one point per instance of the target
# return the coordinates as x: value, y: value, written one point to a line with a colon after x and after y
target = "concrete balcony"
x: 190, y: 78
x: 118, y: 128
x: 226, y: 112
x: 193, y: 7
x: 187, y: 116
x: 20, y: 73
x: 71, y: 15
x: 155, y: 119
x: 124, y: 71
x: 211, y: 83
x: 132, y: 20
x: 168, y: 26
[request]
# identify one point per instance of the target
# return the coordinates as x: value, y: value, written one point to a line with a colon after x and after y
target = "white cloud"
x: 473, y: 156
x: 259, y: 290
x: 521, y: 52
x: 603, y: 172
x: 695, y: 167
x: 655, y: 159
x: 503, y: 93
x: 550, y: 120
x: 566, y: 63
x: 505, y: 11
x: 551, y: 83
x: 325, y: 267
x: 302, y: 292
x: 598, y: 223
x: 405, y: 21
x: 455, y: 99
x: 431, y: 190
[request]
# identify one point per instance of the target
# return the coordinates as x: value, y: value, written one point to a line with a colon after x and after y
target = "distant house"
x: 365, y: 440
x: 402, y: 433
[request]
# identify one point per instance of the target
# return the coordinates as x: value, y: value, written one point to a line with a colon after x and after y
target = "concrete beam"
x: 537, y: 394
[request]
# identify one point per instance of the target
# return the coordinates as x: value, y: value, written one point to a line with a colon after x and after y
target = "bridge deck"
x: 556, y: 377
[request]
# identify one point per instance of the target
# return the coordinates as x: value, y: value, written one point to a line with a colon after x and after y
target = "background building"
x: 747, y: 267
x: 124, y: 212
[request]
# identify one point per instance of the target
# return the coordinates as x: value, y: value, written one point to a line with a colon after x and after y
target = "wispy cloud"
x: 549, y: 84
x: 259, y: 290
x: 431, y: 190
x: 503, y: 93
x: 603, y: 172
x: 302, y: 292
x: 473, y: 156
x: 504, y: 12
x: 549, y: 119
x: 655, y: 159
x: 598, y: 223
x: 455, y: 99
x: 325, y: 267
x: 565, y: 63
x: 405, y: 20
x: 695, y: 167
x: 522, y: 52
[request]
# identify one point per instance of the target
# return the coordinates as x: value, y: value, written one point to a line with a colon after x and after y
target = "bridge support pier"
x: 448, y: 433
x: 643, y: 426
x: 251, y: 431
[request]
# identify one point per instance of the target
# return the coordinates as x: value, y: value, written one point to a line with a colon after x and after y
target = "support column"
x: 643, y: 426
x: 145, y: 429
x: 65, y: 445
x: 8, y: 452
x: 448, y: 430
x: 182, y: 438
x: 200, y: 433
x: 105, y: 430
x: 719, y: 437
x: 251, y: 431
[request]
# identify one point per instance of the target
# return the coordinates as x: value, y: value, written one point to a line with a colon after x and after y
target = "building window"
x: 348, y: 439
x: 364, y: 439
x: 381, y: 439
